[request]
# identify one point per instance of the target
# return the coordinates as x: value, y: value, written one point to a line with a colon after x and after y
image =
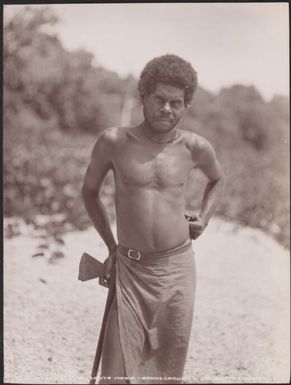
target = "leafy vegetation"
x: 56, y: 102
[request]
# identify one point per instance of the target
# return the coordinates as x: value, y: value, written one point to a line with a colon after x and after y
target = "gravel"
x: 241, y: 323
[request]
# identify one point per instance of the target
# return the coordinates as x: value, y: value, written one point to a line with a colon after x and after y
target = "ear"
x: 141, y: 99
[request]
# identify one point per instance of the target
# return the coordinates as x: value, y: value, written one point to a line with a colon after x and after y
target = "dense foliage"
x: 56, y: 102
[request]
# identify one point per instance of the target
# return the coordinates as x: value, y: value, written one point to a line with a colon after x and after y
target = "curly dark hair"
x: 169, y: 69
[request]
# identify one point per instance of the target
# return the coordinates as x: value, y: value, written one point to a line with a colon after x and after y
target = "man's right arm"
x: 100, y: 164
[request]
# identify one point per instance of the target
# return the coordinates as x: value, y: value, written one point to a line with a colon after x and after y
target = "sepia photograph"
x: 146, y: 193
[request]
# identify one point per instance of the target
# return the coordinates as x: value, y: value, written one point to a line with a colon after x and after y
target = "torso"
x: 150, y: 183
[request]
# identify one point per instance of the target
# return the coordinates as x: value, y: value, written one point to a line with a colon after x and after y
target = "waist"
x: 138, y: 255
x: 152, y: 232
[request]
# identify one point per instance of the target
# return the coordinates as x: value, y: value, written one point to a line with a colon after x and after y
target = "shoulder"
x: 203, y: 156
x: 198, y: 146
x: 111, y: 135
x: 109, y: 139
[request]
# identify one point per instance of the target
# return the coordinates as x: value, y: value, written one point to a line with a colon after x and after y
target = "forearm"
x: 211, y: 197
x: 99, y: 217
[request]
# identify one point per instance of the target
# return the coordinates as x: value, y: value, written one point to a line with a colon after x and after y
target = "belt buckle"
x: 137, y: 257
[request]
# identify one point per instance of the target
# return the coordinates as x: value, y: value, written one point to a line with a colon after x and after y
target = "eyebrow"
x: 176, y: 98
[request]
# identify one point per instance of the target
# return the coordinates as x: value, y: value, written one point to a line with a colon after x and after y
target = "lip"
x: 164, y: 120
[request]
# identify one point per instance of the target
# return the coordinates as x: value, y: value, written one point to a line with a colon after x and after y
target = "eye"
x: 158, y: 100
x: 176, y: 104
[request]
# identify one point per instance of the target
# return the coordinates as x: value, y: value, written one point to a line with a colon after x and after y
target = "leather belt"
x: 138, y: 255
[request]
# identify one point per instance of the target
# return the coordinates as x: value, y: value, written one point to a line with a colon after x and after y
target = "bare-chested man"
x: 149, y: 323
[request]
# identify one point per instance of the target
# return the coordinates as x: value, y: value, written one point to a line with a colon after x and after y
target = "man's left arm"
x: 206, y: 161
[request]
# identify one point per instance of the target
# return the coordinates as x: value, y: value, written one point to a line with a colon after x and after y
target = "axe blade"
x: 90, y: 268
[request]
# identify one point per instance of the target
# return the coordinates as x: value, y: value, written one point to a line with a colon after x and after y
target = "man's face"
x: 164, y: 107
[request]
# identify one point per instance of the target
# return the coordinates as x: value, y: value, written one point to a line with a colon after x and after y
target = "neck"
x: 159, y: 137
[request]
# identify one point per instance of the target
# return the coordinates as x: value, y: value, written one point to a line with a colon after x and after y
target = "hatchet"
x: 90, y: 268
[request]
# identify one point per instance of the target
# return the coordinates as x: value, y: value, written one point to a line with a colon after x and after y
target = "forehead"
x: 168, y: 91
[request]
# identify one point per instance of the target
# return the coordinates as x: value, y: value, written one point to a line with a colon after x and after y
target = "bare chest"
x: 138, y: 166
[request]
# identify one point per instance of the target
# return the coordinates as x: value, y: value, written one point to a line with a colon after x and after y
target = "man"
x: 149, y: 323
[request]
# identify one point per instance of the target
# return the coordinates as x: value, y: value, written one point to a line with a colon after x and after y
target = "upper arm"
x: 206, y: 161
x: 100, y: 162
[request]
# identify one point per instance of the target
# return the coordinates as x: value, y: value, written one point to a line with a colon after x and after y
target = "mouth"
x: 164, y: 120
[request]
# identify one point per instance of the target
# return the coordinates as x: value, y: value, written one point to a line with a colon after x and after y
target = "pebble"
x: 240, y: 328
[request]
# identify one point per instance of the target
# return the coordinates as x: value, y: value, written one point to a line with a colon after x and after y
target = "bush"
x: 56, y: 102
x: 43, y: 175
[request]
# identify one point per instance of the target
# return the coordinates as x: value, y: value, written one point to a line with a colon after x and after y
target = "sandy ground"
x: 241, y: 319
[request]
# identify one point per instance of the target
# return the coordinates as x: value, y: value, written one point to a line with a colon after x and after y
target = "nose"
x: 166, y: 107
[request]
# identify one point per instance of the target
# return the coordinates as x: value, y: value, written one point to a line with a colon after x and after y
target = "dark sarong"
x: 155, y: 299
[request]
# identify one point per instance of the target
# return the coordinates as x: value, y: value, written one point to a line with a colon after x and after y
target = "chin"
x: 163, y: 127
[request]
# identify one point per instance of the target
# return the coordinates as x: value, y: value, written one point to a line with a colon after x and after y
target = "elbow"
x: 85, y: 196
x: 221, y: 180
x: 84, y: 191
x: 220, y: 183
x: 89, y: 194
x: 217, y: 183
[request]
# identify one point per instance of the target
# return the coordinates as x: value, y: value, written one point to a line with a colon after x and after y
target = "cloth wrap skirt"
x: 155, y: 299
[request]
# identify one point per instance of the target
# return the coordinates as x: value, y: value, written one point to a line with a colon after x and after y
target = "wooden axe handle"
x: 109, y: 300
